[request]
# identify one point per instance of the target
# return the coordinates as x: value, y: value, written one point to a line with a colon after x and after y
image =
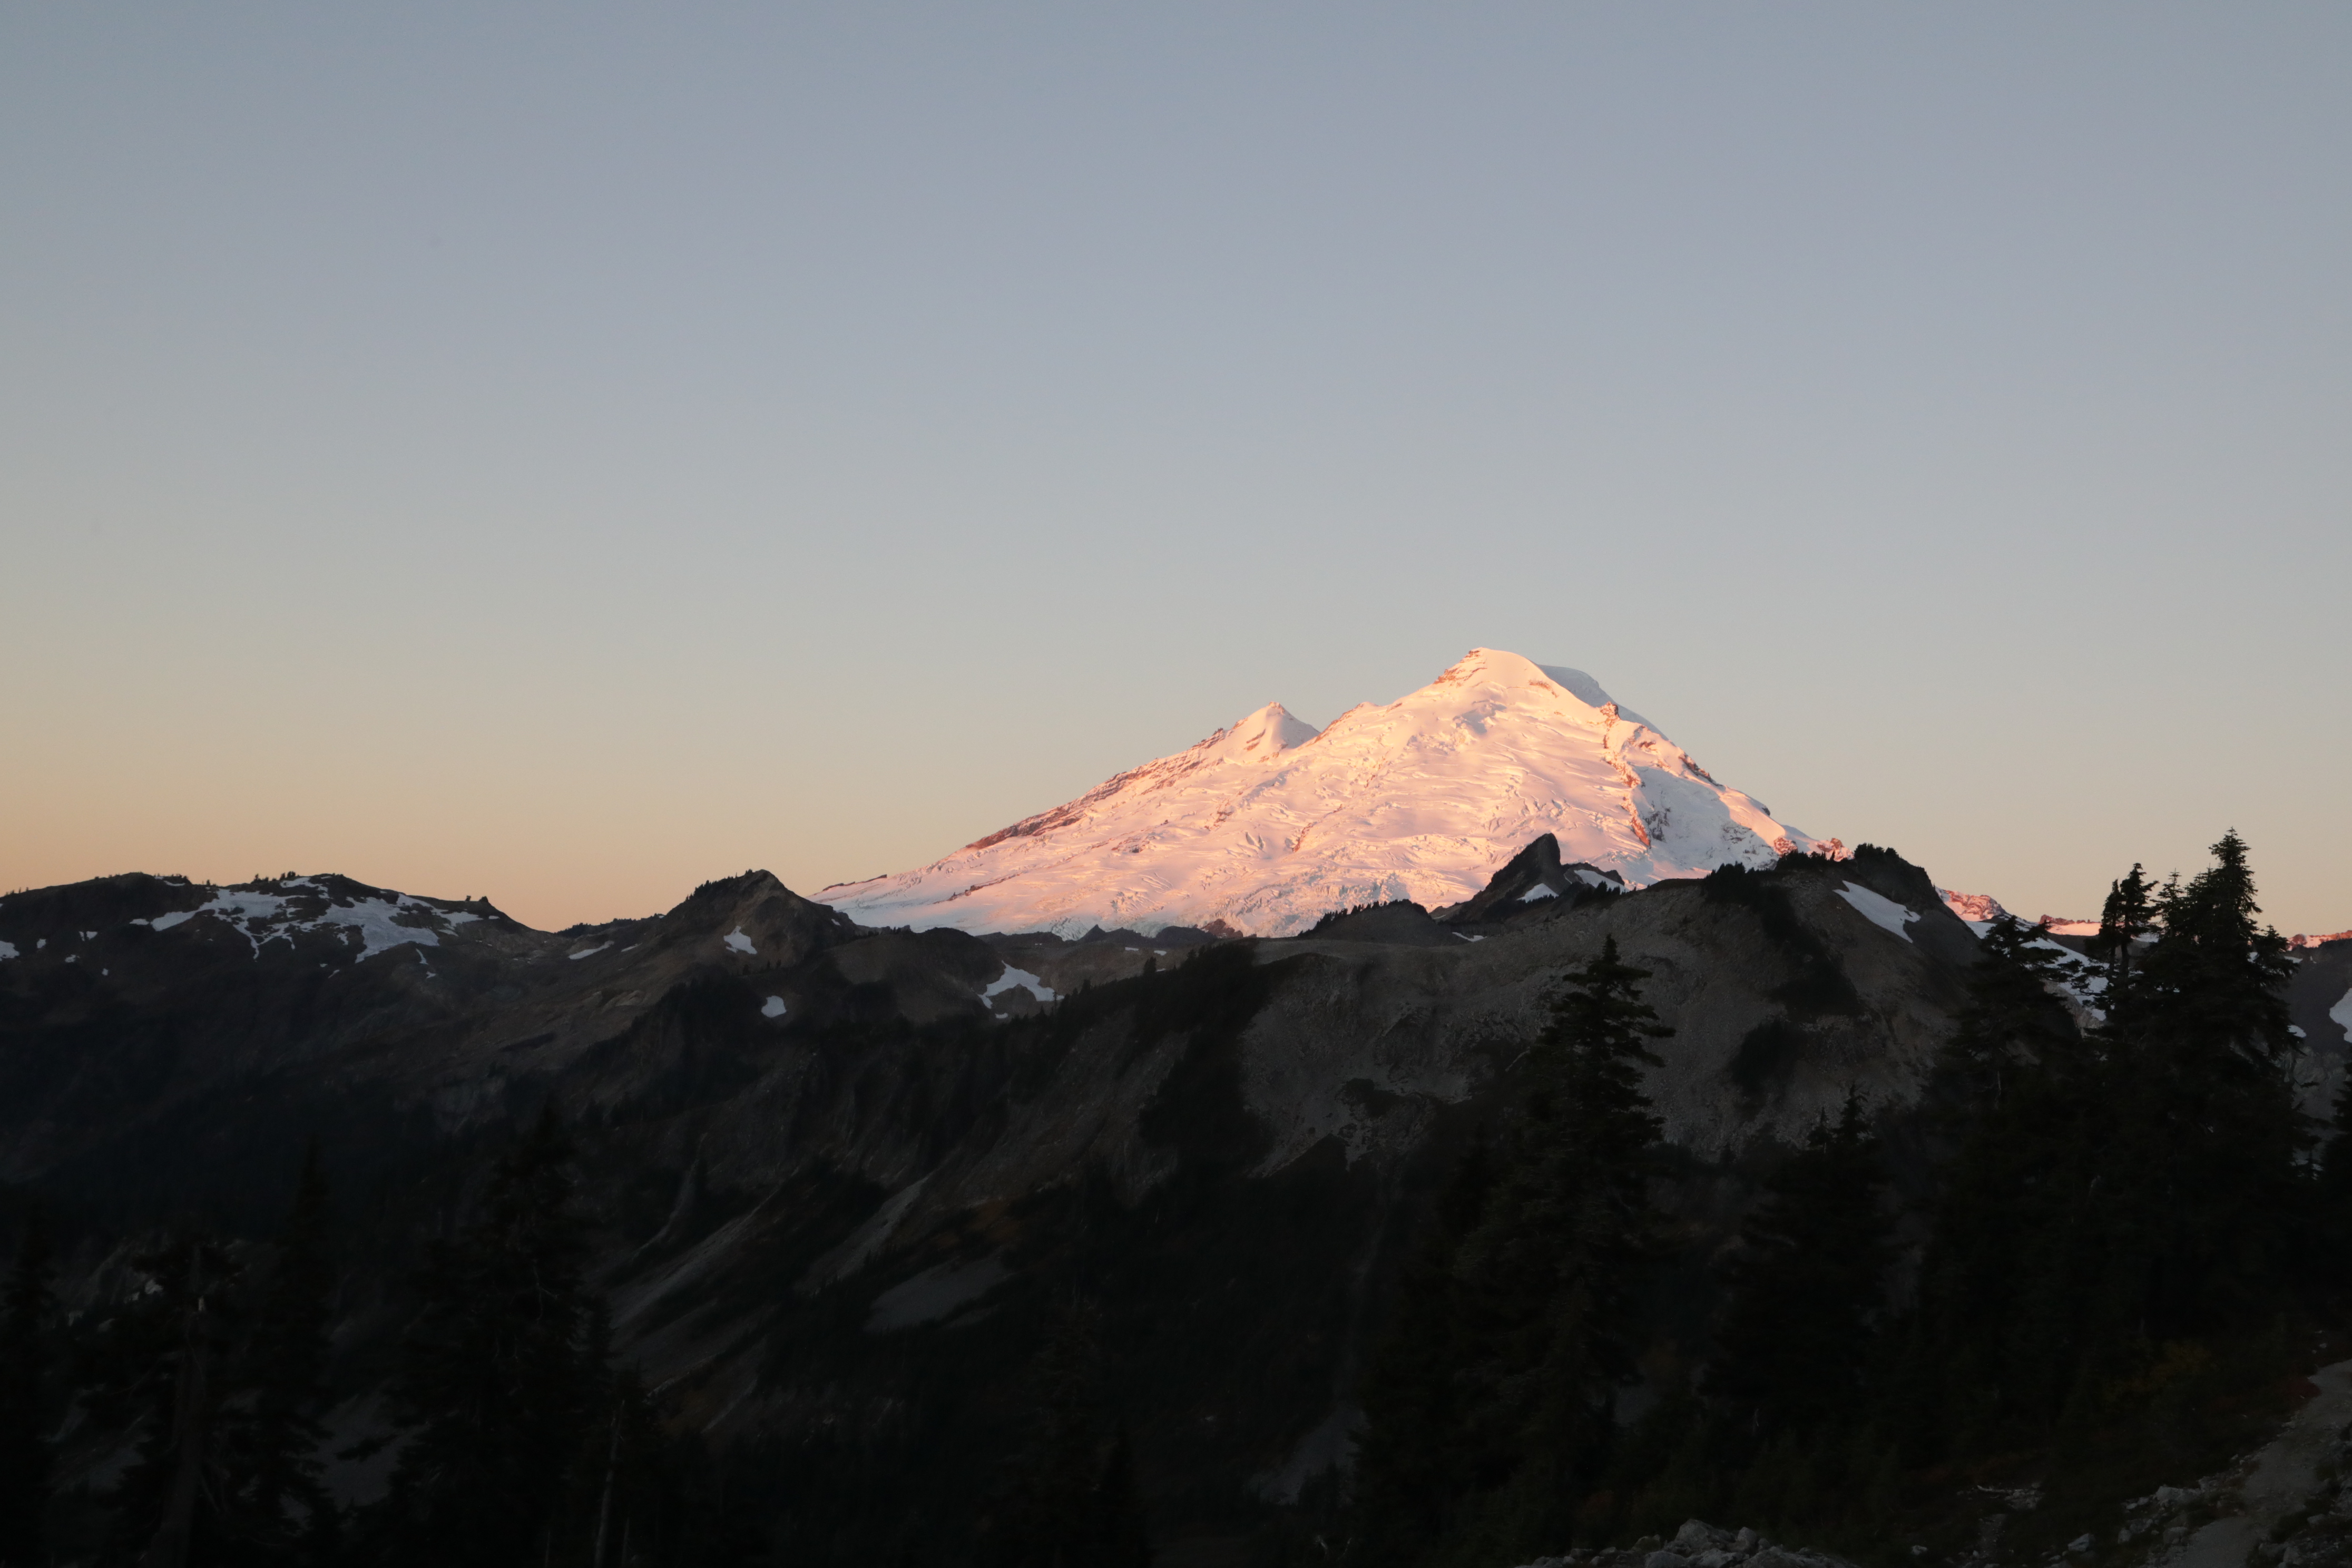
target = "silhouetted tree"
x: 1070, y: 1500
x: 1544, y: 1298
x: 164, y: 1367
x: 1805, y: 1291
x: 495, y: 1379
x: 277, y: 1508
x: 27, y: 1402
x: 1411, y: 1467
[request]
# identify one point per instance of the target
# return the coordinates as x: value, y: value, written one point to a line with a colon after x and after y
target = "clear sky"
x: 566, y: 453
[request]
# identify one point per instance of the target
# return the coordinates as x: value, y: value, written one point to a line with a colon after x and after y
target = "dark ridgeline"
x: 2111, y: 1229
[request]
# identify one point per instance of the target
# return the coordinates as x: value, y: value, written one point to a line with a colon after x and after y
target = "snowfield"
x: 1879, y: 910
x: 1266, y: 827
x: 381, y: 924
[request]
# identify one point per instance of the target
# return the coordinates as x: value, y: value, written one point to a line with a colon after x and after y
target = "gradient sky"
x: 566, y: 453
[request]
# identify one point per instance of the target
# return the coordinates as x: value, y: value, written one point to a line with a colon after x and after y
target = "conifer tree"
x: 166, y: 1363
x: 495, y: 1378
x: 2127, y: 917
x: 1804, y: 1294
x: 1070, y: 1501
x: 2139, y: 1187
x: 2208, y: 1142
x: 1411, y: 1471
x: 278, y: 1504
x: 2024, y: 1108
x: 26, y: 1403
x: 2013, y: 1022
x: 1550, y: 1274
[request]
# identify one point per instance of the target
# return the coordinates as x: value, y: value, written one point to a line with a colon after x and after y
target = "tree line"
x: 2094, y: 1217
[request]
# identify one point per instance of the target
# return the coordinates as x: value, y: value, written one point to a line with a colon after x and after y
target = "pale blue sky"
x: 568, y: 452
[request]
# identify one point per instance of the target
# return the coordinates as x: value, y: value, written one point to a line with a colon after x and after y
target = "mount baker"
x: 1266, y: 826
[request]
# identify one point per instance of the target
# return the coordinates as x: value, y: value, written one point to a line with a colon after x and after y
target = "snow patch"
x: 1539, y: 891
x: 2342, y: 1013
x: 7, y: 951
x: 2083, y: 979
x: 773, y: 1007
x: 1879, y: 910
x: 381, y: 923
x: 1022, y: 978
x: 588, y: 952
x: 736, y: 942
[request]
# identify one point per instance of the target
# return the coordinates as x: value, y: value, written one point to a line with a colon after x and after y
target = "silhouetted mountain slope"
x: 840, y: 1180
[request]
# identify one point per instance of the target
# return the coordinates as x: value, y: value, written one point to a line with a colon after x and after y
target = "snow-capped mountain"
x: 1268, y: 825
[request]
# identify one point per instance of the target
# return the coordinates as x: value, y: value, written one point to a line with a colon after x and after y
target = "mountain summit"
x: 1268, y: 825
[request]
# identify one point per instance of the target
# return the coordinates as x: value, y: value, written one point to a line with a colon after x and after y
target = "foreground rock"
x: 1699, y: 1544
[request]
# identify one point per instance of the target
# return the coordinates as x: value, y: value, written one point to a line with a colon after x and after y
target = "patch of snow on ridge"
x: 736, y: 942
x: 381, y: 922
x: 1264, y: 827
x: 1539, y: 891
x: 2083, y: 979
x: 588, y: 952
x: 1023, y: 979
x: 7, y: 951
x: 2342, y: 1013
x: 773, y: 1007
x: 1879, y: 910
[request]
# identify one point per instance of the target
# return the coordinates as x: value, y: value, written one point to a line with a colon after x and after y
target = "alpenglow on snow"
x: 1266, y: 827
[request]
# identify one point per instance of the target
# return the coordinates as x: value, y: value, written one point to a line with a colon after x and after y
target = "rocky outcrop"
x: 1699, y: 1544
x: 2287, y: 1503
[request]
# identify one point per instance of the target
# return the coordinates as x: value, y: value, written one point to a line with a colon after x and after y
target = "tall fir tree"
x: 2208, y: 1143
x: 2126, y: 920
x: 2106, y: 1195
x: 28, y: 1397
x: 2012, y: 1023
x: 1411, y: 1475
x: 277, y: 1507
x: 1070, y: 1499
x: 165, y: 1366
x: 496, y: 1380
x: 1804, y: 1294
x: 1543, y: 1295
